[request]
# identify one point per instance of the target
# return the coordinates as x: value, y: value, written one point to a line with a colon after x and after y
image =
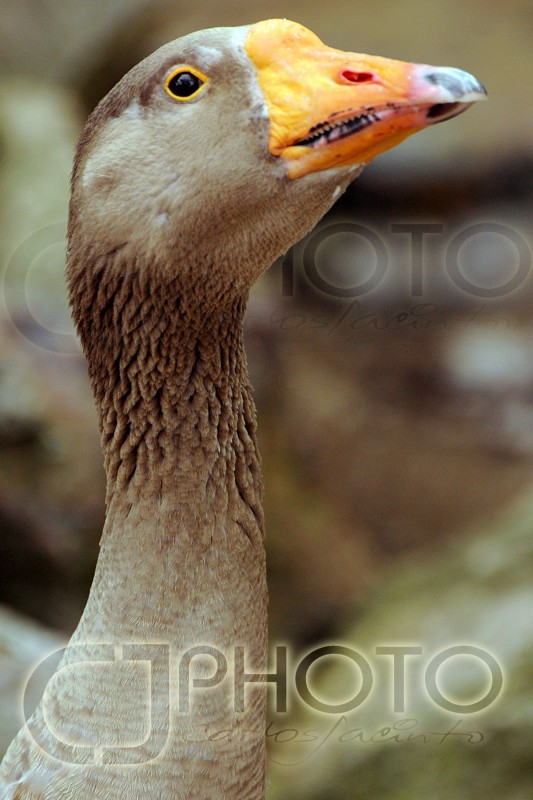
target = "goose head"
x: 211, y: 157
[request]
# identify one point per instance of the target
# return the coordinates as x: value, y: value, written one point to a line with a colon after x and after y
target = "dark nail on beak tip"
x: 457, y: 84
x: 448, y: 82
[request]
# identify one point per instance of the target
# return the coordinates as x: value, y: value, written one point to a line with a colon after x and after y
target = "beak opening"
x: 442, y: 111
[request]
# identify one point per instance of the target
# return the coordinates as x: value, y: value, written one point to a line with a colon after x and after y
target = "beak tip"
x: 448, y: 84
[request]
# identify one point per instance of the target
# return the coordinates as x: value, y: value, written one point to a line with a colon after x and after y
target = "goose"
x: 202, y: 166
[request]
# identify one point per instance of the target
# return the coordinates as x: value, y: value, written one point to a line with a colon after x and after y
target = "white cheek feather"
x: 237, y: 36
x: 237, y: 39
x: 121, y: 135
x: 133, y: 111
x: 208, y: 56
x: 91, y: 173
x: 162, y: 219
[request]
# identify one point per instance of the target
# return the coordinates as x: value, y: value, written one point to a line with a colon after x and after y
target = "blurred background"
x: 392, y: 357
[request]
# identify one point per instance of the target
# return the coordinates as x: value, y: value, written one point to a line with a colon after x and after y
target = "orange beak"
x: 329, y: 108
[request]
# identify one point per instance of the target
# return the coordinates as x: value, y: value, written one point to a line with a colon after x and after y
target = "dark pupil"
x: 184, y: 84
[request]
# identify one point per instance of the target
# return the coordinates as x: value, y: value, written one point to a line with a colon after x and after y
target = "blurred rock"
x: 477, y: 593
x: 484, y: 360
x: 51, y: 480
x: 23, y: 645
x: 492, y: 371
x: 39, y: 124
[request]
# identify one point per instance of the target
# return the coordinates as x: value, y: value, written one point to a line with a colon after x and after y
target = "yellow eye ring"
x: 185, y: 83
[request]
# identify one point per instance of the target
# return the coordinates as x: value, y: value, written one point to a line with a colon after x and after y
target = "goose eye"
x: 184, y: 83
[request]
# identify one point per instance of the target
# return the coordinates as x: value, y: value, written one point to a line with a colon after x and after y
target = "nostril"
x: 351, y: 76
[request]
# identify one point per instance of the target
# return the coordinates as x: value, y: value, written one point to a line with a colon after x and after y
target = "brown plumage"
x: 176, y: 209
